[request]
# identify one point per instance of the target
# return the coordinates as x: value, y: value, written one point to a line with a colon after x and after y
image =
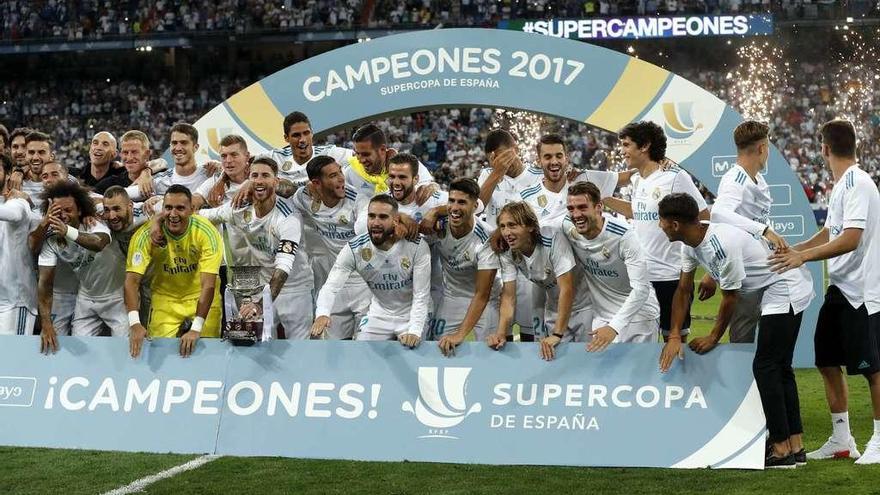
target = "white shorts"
x: 351, y: 305
x: 378, y: 328
x: 523, y: 315
x: 636, y: 332
x: 579, y: 325
x: 91, y: 314
x: 17, y: 321
x: 295, y: 311
x: 63, y: 307
x: 451, y: 313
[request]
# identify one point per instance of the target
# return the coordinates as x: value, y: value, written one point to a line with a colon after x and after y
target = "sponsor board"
x: 380, y: 401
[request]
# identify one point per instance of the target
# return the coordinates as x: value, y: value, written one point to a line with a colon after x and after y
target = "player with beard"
x: 99, y: 269
x: 293, y: 158
x: 624, y: 306
x: 268, y: 235
x: 397, y: 272
x: 18, y: 299
x: 184, y: 287
x: 402, y: 181
x: 501, y: 184
x: 39, y: 152
x: 469, y: 268
x: 548, y: 197
x: 333, y: 219
x: 367, y: 171
x: 18, y: 146
x: 739, y: 261
x: 18, y: 153
x: 644, y: 148
x: 542, y: 255
x: 123, y: 217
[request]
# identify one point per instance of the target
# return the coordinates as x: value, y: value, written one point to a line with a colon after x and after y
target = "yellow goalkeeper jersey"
x: 177, y: 266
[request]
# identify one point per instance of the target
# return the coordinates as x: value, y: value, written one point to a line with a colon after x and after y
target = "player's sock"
x: 877, y: 428
x: 840, y: 427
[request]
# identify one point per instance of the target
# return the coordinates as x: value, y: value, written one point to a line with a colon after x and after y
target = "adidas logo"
x: 839, y: 421
x: 863, y: 365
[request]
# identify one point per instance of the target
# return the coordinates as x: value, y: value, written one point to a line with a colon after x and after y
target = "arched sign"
x: 495, y: 68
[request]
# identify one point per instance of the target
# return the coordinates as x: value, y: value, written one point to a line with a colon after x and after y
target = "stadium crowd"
x: 449, y: 142
x: 95, y: 19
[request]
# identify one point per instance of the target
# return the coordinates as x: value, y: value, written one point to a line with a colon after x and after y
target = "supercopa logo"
x: 441, y: 403
x: 679, y: 119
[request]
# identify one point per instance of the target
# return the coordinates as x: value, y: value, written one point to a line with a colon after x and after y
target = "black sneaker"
x: 773, y: 462
x: 800, y: 457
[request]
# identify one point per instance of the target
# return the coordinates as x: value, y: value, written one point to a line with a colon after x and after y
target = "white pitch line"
x: 141, y: 484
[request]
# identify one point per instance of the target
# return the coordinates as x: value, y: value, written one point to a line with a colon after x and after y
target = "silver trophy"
x: 244, y: 288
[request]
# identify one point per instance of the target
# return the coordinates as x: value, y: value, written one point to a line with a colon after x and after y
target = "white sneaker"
x: 837, y: 450
x: 872, y: 452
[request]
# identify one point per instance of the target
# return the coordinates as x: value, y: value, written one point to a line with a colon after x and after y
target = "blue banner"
x: 382, y: 402
x: 632, y: 28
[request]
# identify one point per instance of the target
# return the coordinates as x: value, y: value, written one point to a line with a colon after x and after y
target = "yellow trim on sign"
x: 635, y: 90
x: 253, y: 108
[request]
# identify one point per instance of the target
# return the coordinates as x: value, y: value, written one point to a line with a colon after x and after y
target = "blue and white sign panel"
x: 379, y: 401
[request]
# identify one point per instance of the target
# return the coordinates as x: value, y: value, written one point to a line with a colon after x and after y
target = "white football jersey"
x: 552, y: 207
x: 737, y: 260
x: 204, y: 189
x: 399, y: 279
x: 743, y: 202
x: 34, y: 189
x: 272, y: 242
x: 662, y: 255
x: 290, y: 169
x: 461, y: 258
x: 417, y: 212
x: 100, y: 274
x: 855, y: 203
x: 616, y: 272
x: 334, y: 226
x: 508, y: 190
x: 16, y: 263
x: 551, y: 258
x: 168, y: 178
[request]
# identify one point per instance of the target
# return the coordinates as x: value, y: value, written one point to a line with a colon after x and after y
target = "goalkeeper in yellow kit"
x: 184, y: 284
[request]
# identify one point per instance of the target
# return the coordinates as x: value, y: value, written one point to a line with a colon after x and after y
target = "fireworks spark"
x: 856, y: 78
x: 761, y: 75
x: 525, y: 126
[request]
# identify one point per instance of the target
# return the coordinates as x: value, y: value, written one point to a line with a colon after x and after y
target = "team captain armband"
x: 287, y: 247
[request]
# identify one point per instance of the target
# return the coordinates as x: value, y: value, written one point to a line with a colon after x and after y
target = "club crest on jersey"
x: 137, y: 259
x: 656, y: 194
x: 286, y: 247
x: 466, y: 256
x: 405, y: 263
x: 606, y: 253
x: 542, y: 201
x: 343, y: 220
x: 287, y: 166
x: 316, y: 205
x: 248, y: 216
x: 366, y: 254
x: 573, y: 232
